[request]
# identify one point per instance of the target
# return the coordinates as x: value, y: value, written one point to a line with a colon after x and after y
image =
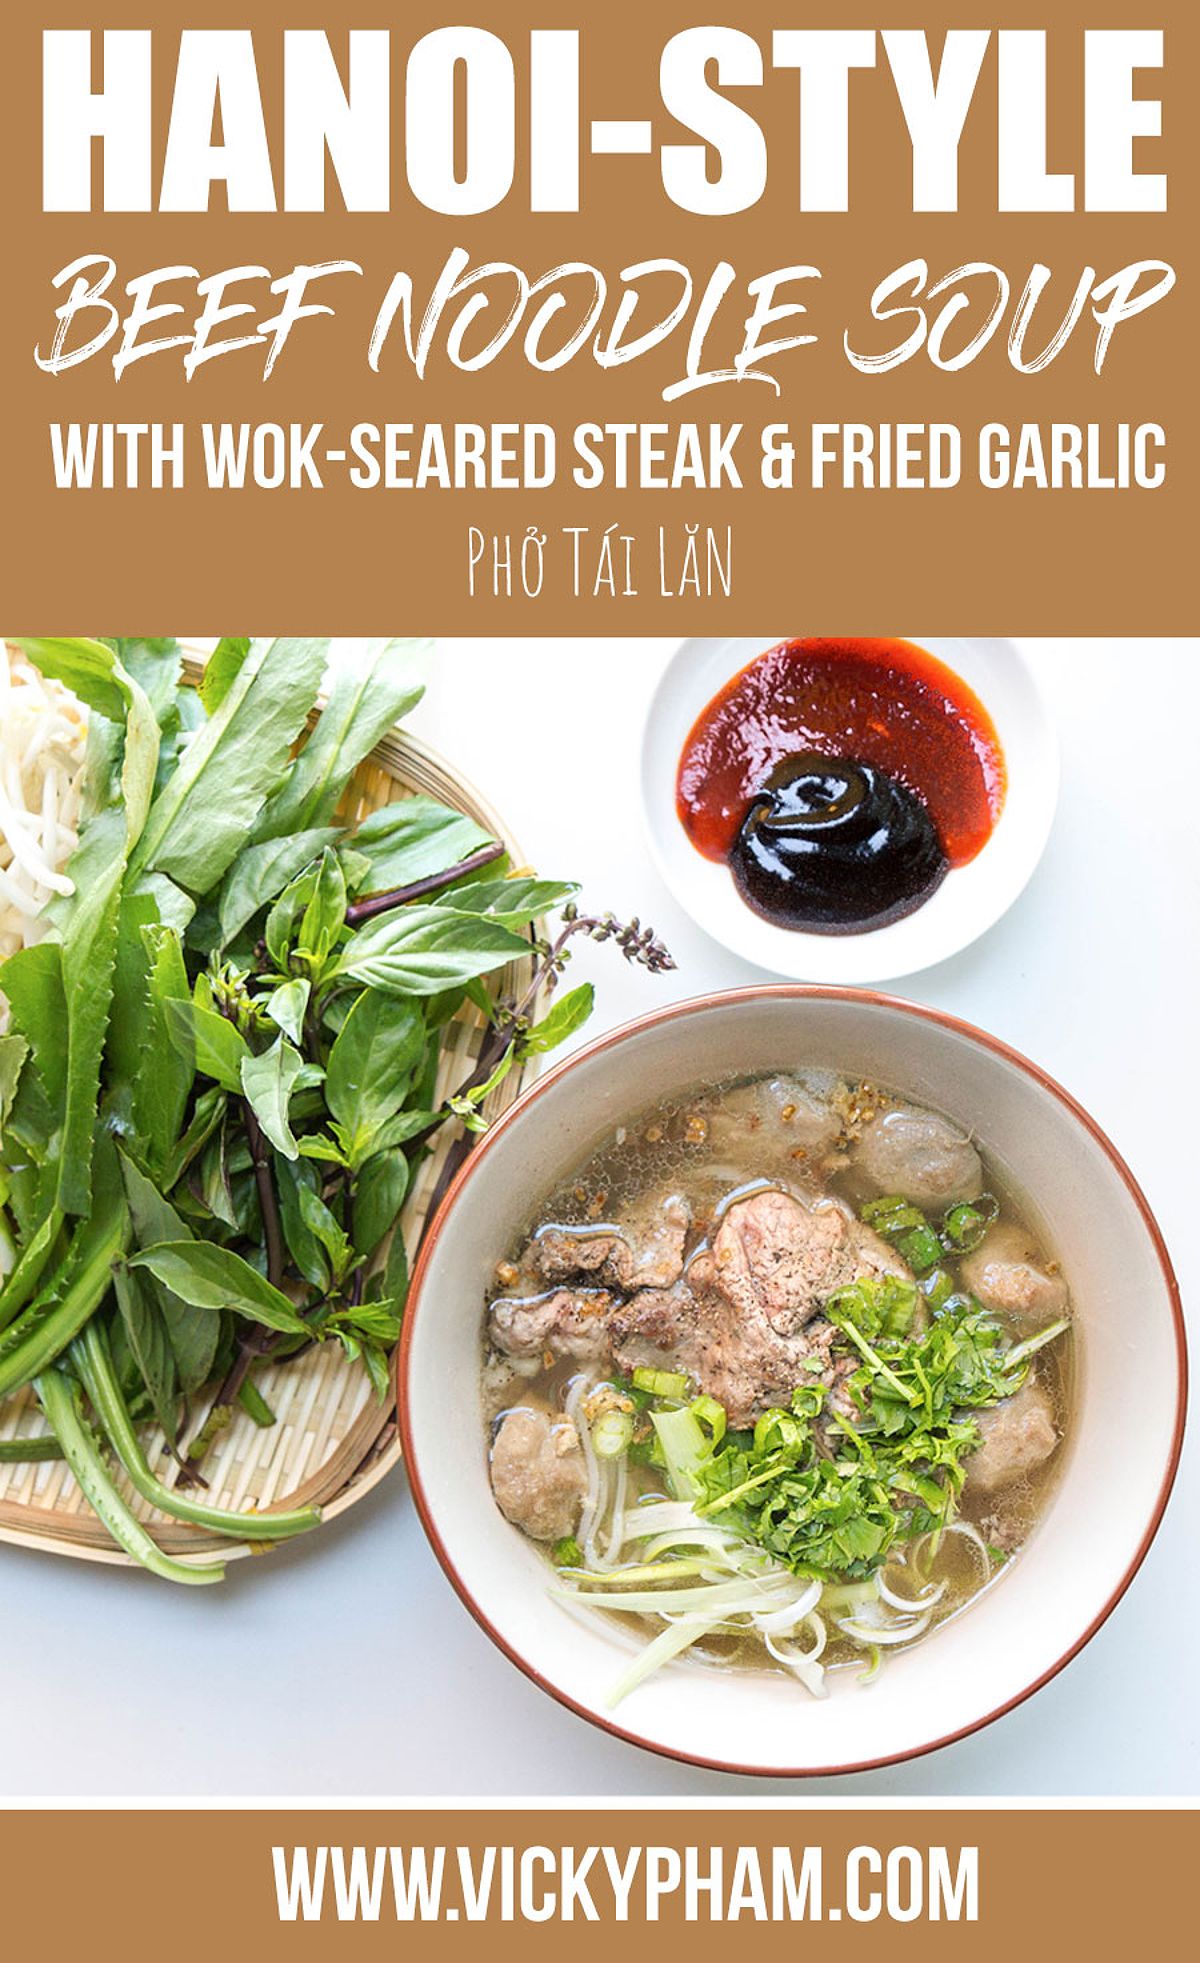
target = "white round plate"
x: 970, y: 899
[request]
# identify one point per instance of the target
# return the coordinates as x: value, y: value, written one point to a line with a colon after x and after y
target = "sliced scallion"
x: 661, y: 1383
x: 612, y: 1434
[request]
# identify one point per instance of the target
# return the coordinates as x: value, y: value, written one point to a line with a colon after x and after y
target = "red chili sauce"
x: 918, y: 787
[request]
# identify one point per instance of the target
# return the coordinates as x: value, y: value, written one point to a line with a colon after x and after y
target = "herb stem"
x: 434, y: 882
x: 730, y: 1498
x: 878, y: 1365
x: 59, y: 1398
x: 267, y: 1200
x: 1021, y: 1352
x: 637, y: 943
x: 25, y: 1451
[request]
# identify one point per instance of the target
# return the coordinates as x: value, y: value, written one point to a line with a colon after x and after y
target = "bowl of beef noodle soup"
x: 763, y: 1376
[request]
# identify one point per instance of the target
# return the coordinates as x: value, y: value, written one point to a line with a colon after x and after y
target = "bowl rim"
x: 629, y: 1031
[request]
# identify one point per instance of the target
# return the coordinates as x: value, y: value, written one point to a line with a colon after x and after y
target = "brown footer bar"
x: 265, y: 1883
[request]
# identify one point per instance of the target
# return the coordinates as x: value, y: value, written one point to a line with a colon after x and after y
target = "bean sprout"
x: 43, y: 737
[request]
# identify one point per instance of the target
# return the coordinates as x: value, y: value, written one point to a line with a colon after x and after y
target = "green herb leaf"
x: 420, y: 950
x: 268, y: 1082
x: 371, y: 1067
x: 88, y: 668
x: 98, y: 677
x: 515, y: 902
x: 200, y: 818
x: 32, y: 981
x: 206, y: 1116
x: 291, y: 1178
x: 13, y: 1052
x: 150, y: 1345
x: 325, y: 915
x: 379, y: 1193
x: 404, y: 1127
x: 414, y: 839
x: 567, y: 1014
x: 88, y: 922
x: 222, y: 669
x: 208, y: 1041
x: 193, y: 1334
x: 89, y: 950
x: 325, y: 1230
x: 260, y: 873
x: 286, y: 1007
x: 154, y: 662
x: 362, y: 707
x: 164, y: 1080
x: 212, y: 1277
x: 373, y: 1319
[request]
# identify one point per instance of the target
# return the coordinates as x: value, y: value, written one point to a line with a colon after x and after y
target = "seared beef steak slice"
x: 570, y: 1322
x: 645, y: 1251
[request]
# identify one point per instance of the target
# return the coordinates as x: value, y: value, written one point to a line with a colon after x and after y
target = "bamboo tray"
x: 333, y: 1441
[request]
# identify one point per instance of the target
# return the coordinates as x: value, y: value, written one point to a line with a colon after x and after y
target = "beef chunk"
x: 744, y: 1321
x: 569, y: 1322
x: 773, y: 1256
x: 1008, y: 1276
x: 538, y: 1473
x: 746, y: 1365
x: 920, y: 1157
x: 645, y: 1251
x: 1019, y: 1435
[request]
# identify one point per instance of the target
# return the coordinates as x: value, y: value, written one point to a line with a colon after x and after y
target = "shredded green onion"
x: 711, y: 1415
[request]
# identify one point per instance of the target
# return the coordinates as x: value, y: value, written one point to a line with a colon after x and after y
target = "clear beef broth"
x: 686, y: 1146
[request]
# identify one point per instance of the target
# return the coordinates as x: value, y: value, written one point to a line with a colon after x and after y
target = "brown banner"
x: 351, y: 559
x: 961, y: 1883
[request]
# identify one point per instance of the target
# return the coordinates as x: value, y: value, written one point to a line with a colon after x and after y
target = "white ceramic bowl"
x: 970, y: 899
x: 1119, y: 1460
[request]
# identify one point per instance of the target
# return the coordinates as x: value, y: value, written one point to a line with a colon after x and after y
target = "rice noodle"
x: 43, y: 738
x: 597, y: 1499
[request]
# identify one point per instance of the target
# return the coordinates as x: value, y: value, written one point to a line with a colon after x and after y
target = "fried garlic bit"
x: 861, y: 1106
x: 605, y: 1397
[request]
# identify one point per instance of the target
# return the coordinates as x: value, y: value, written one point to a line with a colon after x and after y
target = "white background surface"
x: 346, y: 1666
